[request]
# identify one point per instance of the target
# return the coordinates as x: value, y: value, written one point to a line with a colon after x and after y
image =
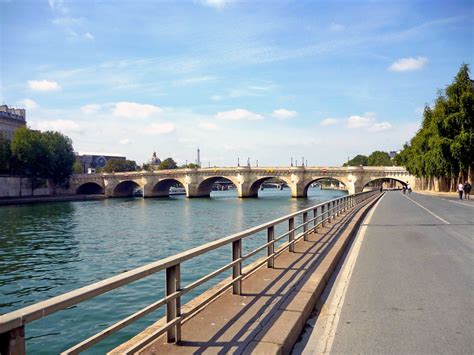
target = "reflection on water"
x: 49, y: 249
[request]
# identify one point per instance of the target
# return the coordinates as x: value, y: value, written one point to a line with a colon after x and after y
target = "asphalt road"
x: 412, y: 286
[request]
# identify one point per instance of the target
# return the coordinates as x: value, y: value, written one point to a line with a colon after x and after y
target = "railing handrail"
x: 41, y: 309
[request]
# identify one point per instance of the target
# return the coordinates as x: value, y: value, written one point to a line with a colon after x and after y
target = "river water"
x: 49, y: 249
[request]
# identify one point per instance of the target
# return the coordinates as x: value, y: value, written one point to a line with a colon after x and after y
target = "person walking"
x: 467, y: 190
x: 460, y: 190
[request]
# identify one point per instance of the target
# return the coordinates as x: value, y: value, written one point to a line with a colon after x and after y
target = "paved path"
x: 411, y: 286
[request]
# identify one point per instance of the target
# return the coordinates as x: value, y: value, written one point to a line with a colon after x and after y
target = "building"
x: 154, y: 161
x: 10, y: 120
x: 93, y: 161
x: 393, y: 153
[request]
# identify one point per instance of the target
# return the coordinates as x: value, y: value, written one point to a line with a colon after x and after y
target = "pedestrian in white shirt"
x: 460, y: 190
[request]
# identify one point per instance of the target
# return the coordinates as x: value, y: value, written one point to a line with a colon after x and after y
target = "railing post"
x: 271, y: 247
x: 305, y: 226
x: 315, y: 220
x: 237, y: 268
x: 291, y: 236
x: 323, y: 222
x: 173, y: 307
x: 13, y: 341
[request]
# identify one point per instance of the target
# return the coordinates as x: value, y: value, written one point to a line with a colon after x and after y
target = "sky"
x: 265, y: 80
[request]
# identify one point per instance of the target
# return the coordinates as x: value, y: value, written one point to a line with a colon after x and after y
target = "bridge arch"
x: 126, y: 188
x: 255, y: 185
x: 204, y: 187
x: 162, y: 187
x: 382, y: 180
x: 308, y: 183
x: 90, y: 188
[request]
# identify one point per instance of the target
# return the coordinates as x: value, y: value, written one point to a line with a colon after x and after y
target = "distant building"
x: 95, y: 160
x: 10, y: 120
x: 154, y: 161
x: 393, y: 153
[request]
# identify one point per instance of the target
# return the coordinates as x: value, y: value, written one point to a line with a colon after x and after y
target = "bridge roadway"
x: 411, y: 289
x: 198, y: 182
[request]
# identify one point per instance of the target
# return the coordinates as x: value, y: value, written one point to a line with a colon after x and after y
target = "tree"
x: 77, y: 168
x: 32, y: 155
x: 358, y: 160
x: 119, y: 165
x: 5, y: 154
x: 61, y: 155
x: 443, y: 147
x: 379, y: 158
x: 168, y: 163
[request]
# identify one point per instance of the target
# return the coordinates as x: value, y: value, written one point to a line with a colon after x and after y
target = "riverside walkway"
x: 406, y: 285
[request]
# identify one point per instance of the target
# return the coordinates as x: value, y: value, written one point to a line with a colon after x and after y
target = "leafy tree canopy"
x: 168, y: 163
x: 119, y: 165
x: 379, y: 158
x: 443, y: 146
x: 358, y: 160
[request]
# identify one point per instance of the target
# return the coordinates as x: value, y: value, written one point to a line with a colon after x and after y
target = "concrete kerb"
x: 285, y: 326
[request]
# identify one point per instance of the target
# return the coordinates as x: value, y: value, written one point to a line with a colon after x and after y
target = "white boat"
x: 177, y: 191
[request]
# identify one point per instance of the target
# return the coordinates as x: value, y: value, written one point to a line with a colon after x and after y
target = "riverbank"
x: 10, y: 201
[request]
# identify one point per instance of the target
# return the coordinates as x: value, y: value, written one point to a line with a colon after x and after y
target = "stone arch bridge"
x: 198, y: 182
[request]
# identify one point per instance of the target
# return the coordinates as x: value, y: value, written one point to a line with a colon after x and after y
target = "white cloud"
x: 284, y: 114
x: 329, y: 121
x: 90, y: 109
x: 135, y: 110
x: 380, y: 127
x: 58, y: 5
x: 208, y: 126
x: 357, y: 121
x: 216, y: 97
x: 89, y: 36
x: 125, y: 141
x: 159, y: 128
x: 408, y: 64
x: 194, y: 80
x: 217, y: 4
x: 336, y: 27
x: 64, y: 126
x: 238, y: 114
x: 43, y: 85
x: 28, y: 104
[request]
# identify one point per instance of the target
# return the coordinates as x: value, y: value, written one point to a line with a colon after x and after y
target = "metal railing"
x: 12, y: 324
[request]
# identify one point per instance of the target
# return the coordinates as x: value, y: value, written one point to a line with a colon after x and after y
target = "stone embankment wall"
x: 14, y: 186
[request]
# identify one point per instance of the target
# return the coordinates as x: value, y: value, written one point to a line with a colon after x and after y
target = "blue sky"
x: 267, y: 80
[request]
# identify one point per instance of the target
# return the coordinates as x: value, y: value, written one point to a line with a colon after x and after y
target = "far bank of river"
x: 51, y: 248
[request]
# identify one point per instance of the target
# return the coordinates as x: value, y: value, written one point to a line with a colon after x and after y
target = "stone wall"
x: 13, y: 186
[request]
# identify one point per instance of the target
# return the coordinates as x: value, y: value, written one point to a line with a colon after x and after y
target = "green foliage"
x: 443, y: 146
x: 42, y: 155
x: 119, y: 165
x: 31, y: 153
x: 168, y: 163
x: 379, y: 158
x: 77, y: 168
x: 358, y: 160
x: 5, y: 154
x: 61, y: 157
x: 147, y: 167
